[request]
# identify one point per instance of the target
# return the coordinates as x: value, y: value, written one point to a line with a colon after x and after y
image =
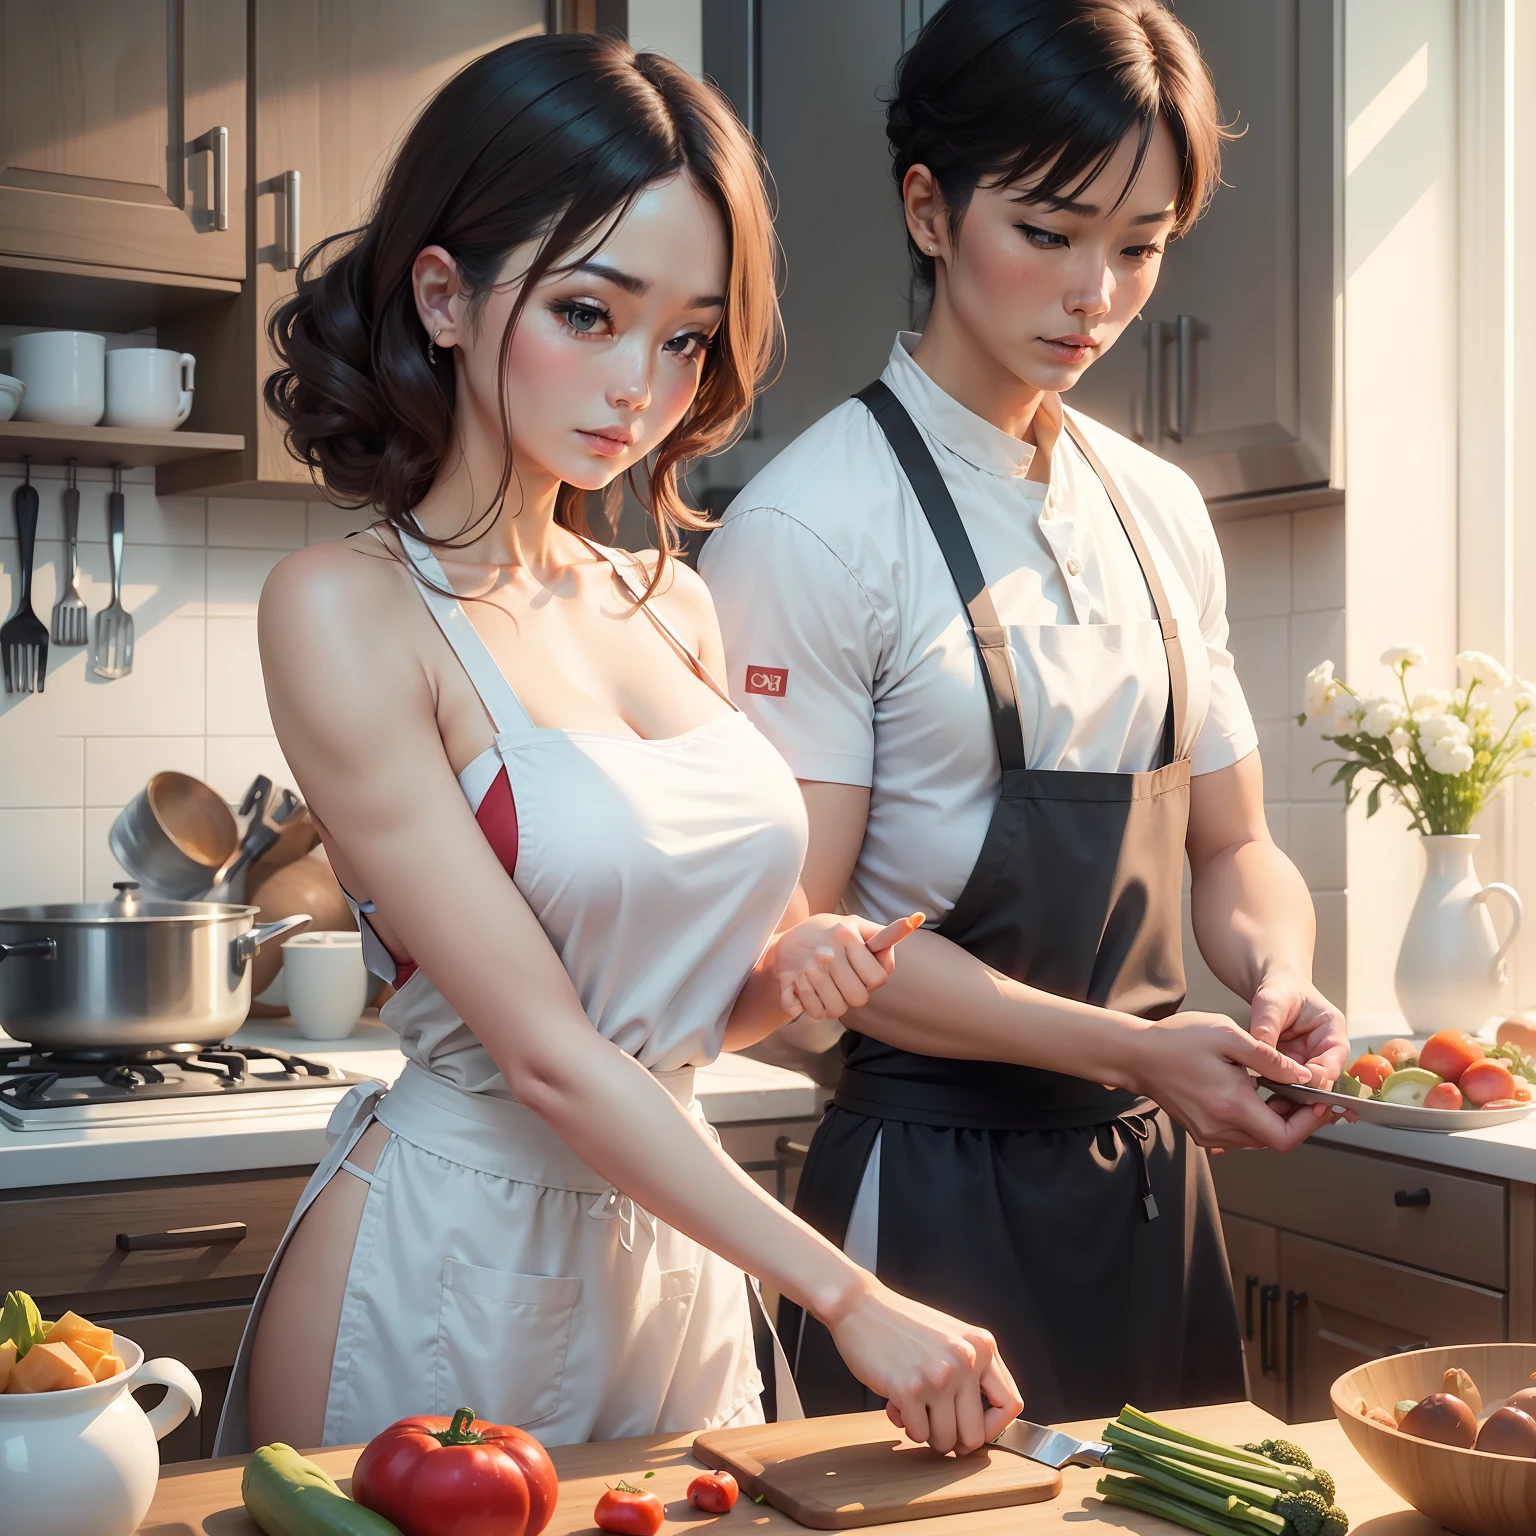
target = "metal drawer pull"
x: 1411, y: 1197
x: 1269, y: 1299
x: 216, y: 142
x: 794, y: 1151
x: 183, y: 1237
x: 1250, y: 1285
x: 1154, y: 425
x: 1184, y: 346
x: 288, y: 245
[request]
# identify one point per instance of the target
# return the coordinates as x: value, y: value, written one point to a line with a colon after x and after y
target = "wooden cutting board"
x: 855, y: 1469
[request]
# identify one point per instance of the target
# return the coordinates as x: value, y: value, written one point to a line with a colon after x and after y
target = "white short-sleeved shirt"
x: 849, y: 649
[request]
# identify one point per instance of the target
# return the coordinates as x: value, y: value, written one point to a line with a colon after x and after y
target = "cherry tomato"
x: 1401, y: 1053
x: 1373, y: 1071
x: 1448, y: 1053
x: 1485, y: 1081
x: 713, y: 1492
x: 1523, y: 1090
x: 627, y: 1511
x: 1443, y: 1096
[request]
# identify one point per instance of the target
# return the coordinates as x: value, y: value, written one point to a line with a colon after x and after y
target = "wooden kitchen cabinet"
x: 1360, y: 1255
x: 1230, y: 374
x: 334, y: 85
x: 123, y: 135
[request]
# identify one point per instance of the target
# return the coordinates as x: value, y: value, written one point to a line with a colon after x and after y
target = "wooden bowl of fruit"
x: 1452, y: 1430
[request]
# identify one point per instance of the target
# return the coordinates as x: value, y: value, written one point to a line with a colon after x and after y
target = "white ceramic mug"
x: 149, y: 387
x: 325, y: 983
x: 64, y: 374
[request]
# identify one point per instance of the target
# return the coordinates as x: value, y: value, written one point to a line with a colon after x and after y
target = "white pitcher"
x: 1451, y: 968
x: 83, y: 1461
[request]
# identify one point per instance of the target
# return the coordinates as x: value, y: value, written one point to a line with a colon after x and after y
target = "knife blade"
x: 1051, y: 1448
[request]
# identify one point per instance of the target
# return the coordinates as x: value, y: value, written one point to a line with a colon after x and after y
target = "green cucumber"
x: 288, y: 1496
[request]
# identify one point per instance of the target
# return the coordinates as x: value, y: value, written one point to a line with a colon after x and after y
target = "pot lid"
x: 127, y: 907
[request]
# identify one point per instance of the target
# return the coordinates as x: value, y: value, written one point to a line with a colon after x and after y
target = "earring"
x: 930, y: 250
x: 432, y: 346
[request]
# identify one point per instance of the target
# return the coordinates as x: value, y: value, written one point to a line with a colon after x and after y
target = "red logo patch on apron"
x: 771, y: 680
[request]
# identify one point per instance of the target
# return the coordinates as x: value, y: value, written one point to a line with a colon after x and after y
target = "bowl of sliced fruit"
x: 1449, y: 1082
x: 1452, y: 1430
x: 81, y: 1457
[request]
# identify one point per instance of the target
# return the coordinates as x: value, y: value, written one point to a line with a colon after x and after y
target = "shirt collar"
x: 962, y: 431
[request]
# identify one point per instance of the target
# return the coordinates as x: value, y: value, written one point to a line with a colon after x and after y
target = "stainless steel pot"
x: 129, y: 974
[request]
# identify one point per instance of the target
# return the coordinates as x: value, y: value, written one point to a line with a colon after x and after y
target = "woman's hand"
x: 943, y: 1379
x: 829, y: 964
x: 1197, y: 1065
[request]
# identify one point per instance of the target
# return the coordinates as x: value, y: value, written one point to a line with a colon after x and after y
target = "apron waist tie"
x: 614, y: 1205
x: 1138, y: 1130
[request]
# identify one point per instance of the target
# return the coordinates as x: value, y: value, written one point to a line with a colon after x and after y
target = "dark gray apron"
x: 1076, y: 1222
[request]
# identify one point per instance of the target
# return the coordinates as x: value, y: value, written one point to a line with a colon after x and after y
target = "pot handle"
x: 183, y: 1396
x: 248, y: 943
x: 33, y: 949
x: 1516, y: 914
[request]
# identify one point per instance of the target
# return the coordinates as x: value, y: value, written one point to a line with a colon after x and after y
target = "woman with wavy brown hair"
x: 576, y: 858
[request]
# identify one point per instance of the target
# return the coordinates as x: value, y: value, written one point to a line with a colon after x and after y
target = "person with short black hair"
x: 990, y: 636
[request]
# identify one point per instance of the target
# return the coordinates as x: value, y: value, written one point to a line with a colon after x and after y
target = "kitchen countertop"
x: 731, y: 1090
x: 202, y: 1498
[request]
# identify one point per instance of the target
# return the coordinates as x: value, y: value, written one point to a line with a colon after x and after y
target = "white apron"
x: 492, y: 1268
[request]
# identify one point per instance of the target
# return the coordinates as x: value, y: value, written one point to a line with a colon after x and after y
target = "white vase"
x: 83, y: 1462
x: 1450, y: 970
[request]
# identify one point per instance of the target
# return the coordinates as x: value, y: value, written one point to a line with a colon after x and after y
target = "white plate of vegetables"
x: 1449, y: 1082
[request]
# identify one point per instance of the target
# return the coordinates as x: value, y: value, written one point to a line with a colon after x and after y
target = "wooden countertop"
x: 202, y: 1498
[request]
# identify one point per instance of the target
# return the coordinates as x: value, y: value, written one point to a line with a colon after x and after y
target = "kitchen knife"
x: 1051, y: 1448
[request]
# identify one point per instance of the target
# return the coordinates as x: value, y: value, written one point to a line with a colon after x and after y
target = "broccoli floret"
x: 1325, y: 1484
x: 1288, y: 1454
x: 1336, y: 1523
x: 1304, y: 1513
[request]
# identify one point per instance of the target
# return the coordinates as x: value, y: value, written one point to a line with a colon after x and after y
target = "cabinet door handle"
x: 791, y: 1151
x: 1250, y: 1285
x: 1184, y: 349
x: 1155, y: 342
x: 1411, y: 1197
x: 1294, y: 1302
x: 293, y: 244
x: 183, y: 1237
x: 1269, y: 1298
x: 216, y: 142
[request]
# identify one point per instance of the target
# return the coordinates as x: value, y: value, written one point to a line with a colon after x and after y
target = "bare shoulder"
x: 323, y: 585
x: 682, y: 596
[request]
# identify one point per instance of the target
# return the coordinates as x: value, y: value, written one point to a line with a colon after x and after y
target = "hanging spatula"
x: 112, y: 654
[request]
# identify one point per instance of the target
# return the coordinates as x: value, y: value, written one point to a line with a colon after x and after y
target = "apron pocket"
x: 502, y: 1340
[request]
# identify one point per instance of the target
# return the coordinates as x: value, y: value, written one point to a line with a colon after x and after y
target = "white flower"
x: 1399, y: 739
x: 1345, y: 720
x: 1429, y: 701
x: 1403, y: 655
x: 1380, y: 715
x: 1448, y: 755
x: 1320, y: 689
x: 1439, y: 727
x: 1480, y: 712
x: 1525, y: 694
x: 1480, y: 667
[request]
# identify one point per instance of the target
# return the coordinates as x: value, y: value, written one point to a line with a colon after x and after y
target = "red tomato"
x: 628, y: 1511
x: 438, y: 1477
x: 1522, y: 1091
x: 1400, y: 1052
x: 1485, y: 1081
x: 713, y: 1492
x: 1448, y: 1053
x: 1443, y: 1096
x: 1373, y: 1071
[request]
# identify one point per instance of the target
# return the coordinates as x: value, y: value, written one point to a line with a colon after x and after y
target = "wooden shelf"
x: 102, y: 447
x: 77, y: 295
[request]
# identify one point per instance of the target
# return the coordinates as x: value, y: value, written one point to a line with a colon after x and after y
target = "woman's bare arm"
x: 353, y: 705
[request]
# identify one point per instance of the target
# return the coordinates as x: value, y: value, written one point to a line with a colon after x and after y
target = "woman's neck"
x: 953, y: 357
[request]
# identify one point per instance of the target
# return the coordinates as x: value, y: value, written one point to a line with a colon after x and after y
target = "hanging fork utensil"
x: 112, y: 655
x: 23, y: 637
x: 70, y: 619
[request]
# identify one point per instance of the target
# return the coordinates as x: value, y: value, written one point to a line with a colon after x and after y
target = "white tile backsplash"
x: 1257, y: 555
x: 72, y: 756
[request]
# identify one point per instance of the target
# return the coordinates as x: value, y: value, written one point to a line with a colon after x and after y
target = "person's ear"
x: 926, y: 213
x: 435, y: 283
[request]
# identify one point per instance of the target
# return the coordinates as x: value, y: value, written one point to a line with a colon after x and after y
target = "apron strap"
x: 1178, y: 676
x: 987, y: 633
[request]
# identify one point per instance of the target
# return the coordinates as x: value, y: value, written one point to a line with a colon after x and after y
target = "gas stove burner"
x: 175, y: 1079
